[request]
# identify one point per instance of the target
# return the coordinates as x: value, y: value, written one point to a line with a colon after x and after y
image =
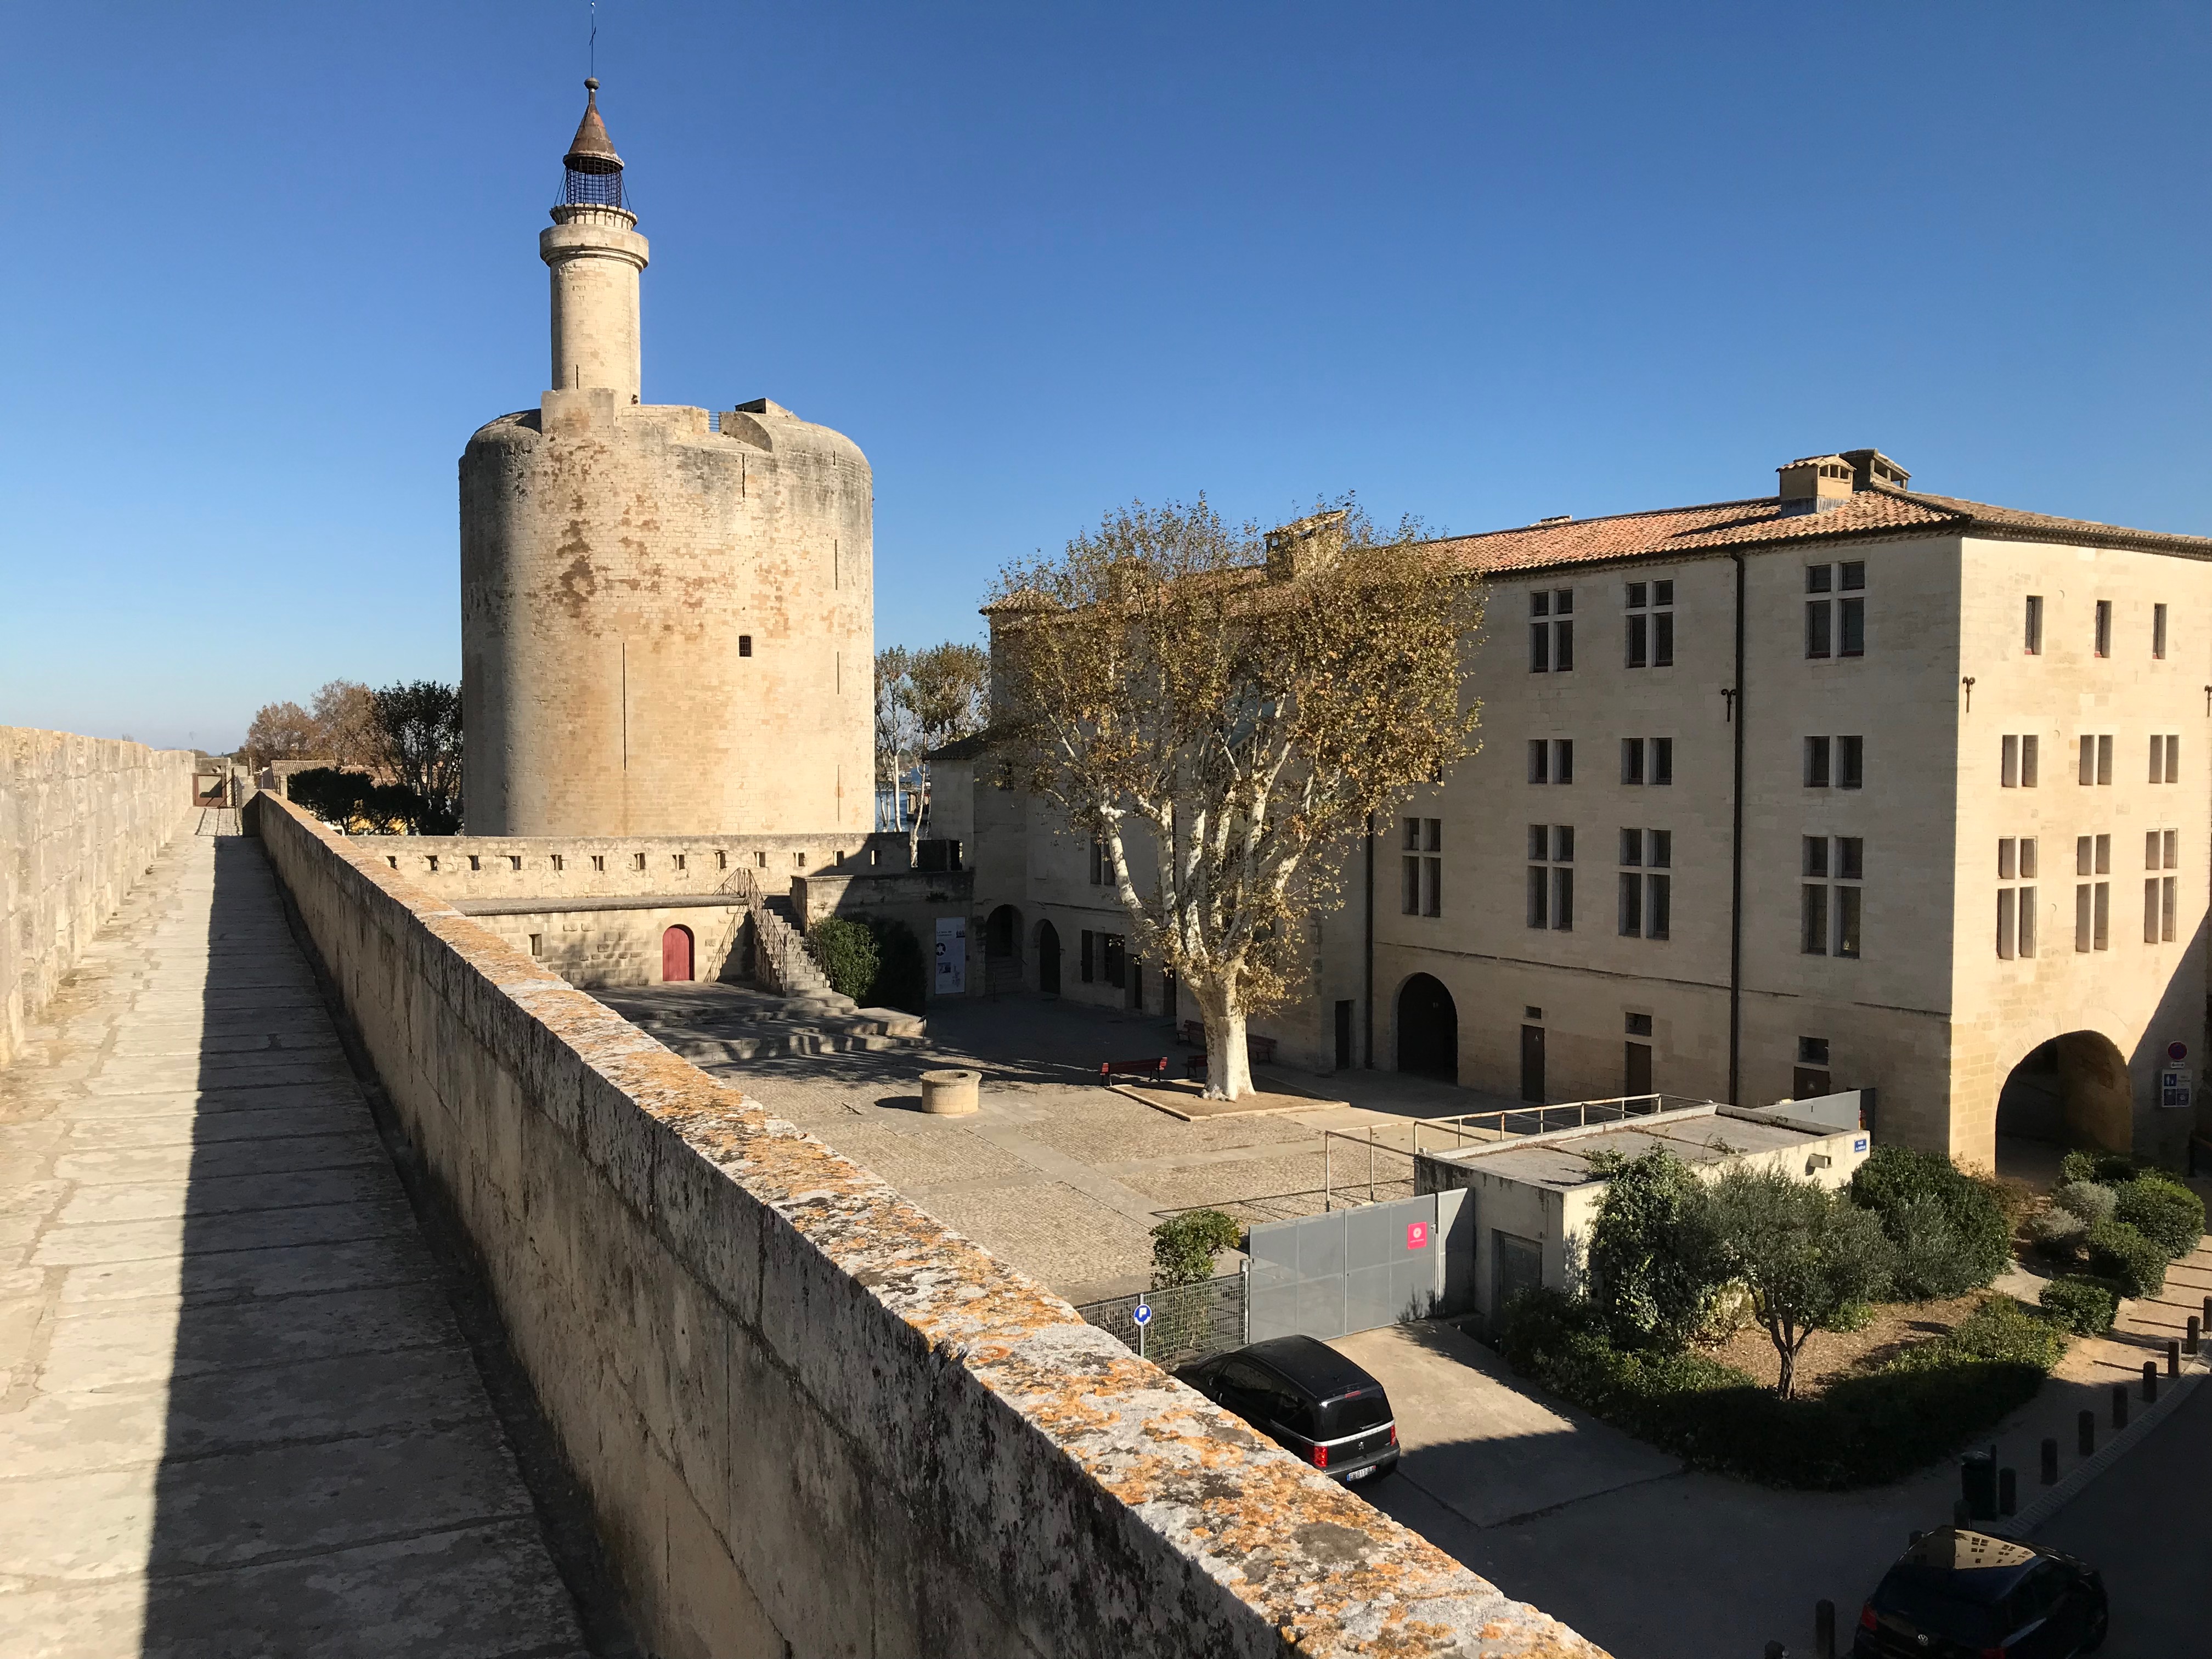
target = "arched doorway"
x: 1428, y: 1030
x: 2073, y: 1091
x: 676, y: 954
x: 1048, y: 959
x: 1002, y: 950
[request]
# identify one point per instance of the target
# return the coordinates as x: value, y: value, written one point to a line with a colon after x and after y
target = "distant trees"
x: 924, y: 700
x: 409, y: 733
x: 1221, y: 712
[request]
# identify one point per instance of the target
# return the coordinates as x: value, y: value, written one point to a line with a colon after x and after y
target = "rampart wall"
x: 809, y: 1419
x: 79, y: 820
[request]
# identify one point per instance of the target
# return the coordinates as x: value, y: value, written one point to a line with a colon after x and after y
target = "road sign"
x: 1417, y: 1234
x: 1142, y: 1314
x: 2173, y: 1088
x: 2177, y: 1051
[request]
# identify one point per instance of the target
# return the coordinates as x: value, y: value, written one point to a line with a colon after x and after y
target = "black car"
x: 1311, y: 1399
x: 1962, y: 1595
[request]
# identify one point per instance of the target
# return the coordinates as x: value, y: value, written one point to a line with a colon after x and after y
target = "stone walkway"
x: 236, y: 1414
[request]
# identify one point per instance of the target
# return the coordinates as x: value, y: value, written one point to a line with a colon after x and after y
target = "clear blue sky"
x: 272, y: 264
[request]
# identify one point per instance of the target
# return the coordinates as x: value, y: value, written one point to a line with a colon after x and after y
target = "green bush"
x: 1651, y: 1264
x: 2121, y: 1254
x: 903, y: 977
x: 1183, y: 1246
x: 2058, y: 1232
x: 1866, y: 1430
x: 2085, y: 1306
x: 2104, y: 1169
x: 847, y: 954
x: 2092, y: 1200
x: 1951, y: 1230
x: 2163, y: 1210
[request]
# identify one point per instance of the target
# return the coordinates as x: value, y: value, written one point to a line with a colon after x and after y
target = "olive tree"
x: 1808, y: 1256
x: 1223, y: 713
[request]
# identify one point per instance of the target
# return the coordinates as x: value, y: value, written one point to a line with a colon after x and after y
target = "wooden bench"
x: 1110, y: 1069
x: 1258, y: 1050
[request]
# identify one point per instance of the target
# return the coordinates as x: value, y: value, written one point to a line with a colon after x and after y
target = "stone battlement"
x: 808, y: 1417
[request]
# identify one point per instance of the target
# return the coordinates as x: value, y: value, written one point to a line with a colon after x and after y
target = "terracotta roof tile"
x: 1721, y: 526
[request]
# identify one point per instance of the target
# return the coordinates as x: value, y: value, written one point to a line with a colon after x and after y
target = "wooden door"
x: 1532, y: 1064
x: 1637, y: 1078
x: 676, y: 954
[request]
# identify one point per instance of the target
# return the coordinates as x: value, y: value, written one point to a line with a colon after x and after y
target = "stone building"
x: 667, y: 615
x: 1844, y: 786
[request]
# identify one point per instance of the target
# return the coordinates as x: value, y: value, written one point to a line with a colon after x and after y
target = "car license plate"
x: 1356, y: 1474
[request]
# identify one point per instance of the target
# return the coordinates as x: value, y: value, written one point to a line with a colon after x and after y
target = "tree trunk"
x: 1228, y: 1066
x: 1784, y: 1388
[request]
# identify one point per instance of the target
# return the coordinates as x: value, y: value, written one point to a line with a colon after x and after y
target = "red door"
x: 676, y: 954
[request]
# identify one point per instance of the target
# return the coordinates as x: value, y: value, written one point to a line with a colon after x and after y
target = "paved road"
x: 237, y: 1417
x: 2141, y: 1521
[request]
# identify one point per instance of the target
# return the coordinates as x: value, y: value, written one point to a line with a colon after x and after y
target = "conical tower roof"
x: 592, y: 150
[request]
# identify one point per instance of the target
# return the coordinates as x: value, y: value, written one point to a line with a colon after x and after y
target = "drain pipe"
x: 1735, y: 859
x: 1367, y: 988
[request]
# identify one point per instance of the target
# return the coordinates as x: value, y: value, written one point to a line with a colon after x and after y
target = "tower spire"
x: 594, y: 171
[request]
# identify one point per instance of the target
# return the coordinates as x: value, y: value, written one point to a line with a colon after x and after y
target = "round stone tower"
x: 667, y: 618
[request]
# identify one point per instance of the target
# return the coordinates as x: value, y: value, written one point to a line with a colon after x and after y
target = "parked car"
x: 1957, y: 1594
x: 1311, y: 1399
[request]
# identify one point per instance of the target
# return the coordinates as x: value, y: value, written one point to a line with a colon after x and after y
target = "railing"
x: 1513, y: 1123
x: 1188, y: 1322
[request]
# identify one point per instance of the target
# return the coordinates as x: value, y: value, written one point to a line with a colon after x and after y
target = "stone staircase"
x: 781, y: 961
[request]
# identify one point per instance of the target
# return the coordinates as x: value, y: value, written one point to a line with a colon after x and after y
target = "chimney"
x: 1871, y: 467
x: 1298, y: 550
x: 1815, y: 484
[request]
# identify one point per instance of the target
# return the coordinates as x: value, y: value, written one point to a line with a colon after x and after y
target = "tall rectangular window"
x: 1836, y: 627
x: 1663, y: 761
x: 1816, y: 763
x: 1831, y: 898
x: 2007, y: 923
x: 2034, y: 640
x: 2103, y: 916
x: 1813, y: 915
x: 1631, y: 760
x: 1648, y: 628
x: 2027, y: 757
x: 2015, y: 905
x: 1539, y: 760
x: 2088, y: 769
x: 1645, y: 907
x: 1552, y: 877
x: 2008, y: 766
x: 2105, y: 759
x: 2083, y: 911
x: 1562, y: 760
x: 2158, y: 632
x: 1851, y: 762
x: 1423, y: 871
x: 1101, y: 867
x: 2104, y: 627
x: 1551, y: 631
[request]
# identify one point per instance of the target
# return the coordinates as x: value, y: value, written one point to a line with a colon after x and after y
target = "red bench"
x: 1110, y: 1069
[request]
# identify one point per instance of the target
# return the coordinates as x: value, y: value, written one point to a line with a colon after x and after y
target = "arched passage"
x: 2073, y: 1091
x: 1048, y: 959
x: 1428, y: 1030
x: 676, y: 954
x: 1002, y: 949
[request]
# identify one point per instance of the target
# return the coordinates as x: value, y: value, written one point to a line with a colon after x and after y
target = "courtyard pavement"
x: 1056, y: 1174
x: 237, y: 1416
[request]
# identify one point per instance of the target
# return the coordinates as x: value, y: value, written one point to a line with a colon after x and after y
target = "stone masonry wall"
x: 79, y: 820
x: 810, y: 1420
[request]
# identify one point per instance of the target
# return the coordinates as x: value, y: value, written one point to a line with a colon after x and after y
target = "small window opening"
x: 744, y: 645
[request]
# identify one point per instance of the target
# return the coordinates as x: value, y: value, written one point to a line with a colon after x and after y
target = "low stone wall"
x: 462, y: 868
x: 615, y: 947
x: 810, y: 1420
x: 79, y: 820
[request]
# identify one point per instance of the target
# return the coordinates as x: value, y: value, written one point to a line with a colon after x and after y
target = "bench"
x: 1110, y: 1069
x: 1258, y: 1050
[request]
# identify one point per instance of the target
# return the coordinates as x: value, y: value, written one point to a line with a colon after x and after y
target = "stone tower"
x: 667, y: 618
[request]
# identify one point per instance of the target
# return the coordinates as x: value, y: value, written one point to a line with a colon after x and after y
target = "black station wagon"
x: 1311, y: 1399
x: 1962, y: 1595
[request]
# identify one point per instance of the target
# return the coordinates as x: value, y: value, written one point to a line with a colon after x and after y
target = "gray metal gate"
x: 1351, y: 1270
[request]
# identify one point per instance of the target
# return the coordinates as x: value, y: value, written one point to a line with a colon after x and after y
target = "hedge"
x: 1951, y: 1230
x: 1866, y: 1430
x: 2162, y: 1211
x: 2119, y: 1253
x: 847, y: 954
x: 2085, y: 1306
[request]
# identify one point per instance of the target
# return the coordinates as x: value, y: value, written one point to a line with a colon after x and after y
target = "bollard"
x: 2119, y: 1405
x: 2150, y: 1382
x: 1824, y: 1630
x: 2172, y: 1357
x: 2051, y: 1462
x: 2208, y: 1313
x: 2085, y: 1434
x: 2008, y: 1492
x: 2196, y: 1334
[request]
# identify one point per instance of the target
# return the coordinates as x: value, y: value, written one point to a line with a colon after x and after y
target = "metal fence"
x: 1189, y: 1322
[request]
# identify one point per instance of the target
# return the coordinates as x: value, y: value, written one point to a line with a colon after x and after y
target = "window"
x: 2035, y: 638
x: 2096, y: 765
x: 1659, y: 752
x: 2161, y: 851
x: 2104, y: 627
x: 537, y: 945
x: 1838, y: 760
x: 1650, y: 625
x: 1829, y: 903
x: 1113, y: 959
x: 679, y: 861
x: 1551, y: 759
x: 1816, y: 763
x: 559, y: 862
x: 1552, y: 877
x: 1646, y: 881
x: 2165, y: 757
x: 1811, y: 1077
x: 598, y: 860
x: 1639, y: 1024
x: 1101, y: 867
x: 1423, y: 869
x: 2093, y: 856
x: 1551, y: 631
x: 2018, y: 766
x: 1087, y: 959
x: 760, y: 860
x: 721, y: 861
x: 744, y: 645
x: 2158, y: 632
x: 1836, y: 627
x: 2015, y: 905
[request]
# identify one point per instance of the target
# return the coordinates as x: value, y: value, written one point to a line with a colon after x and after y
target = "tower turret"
x: 595, y: 254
